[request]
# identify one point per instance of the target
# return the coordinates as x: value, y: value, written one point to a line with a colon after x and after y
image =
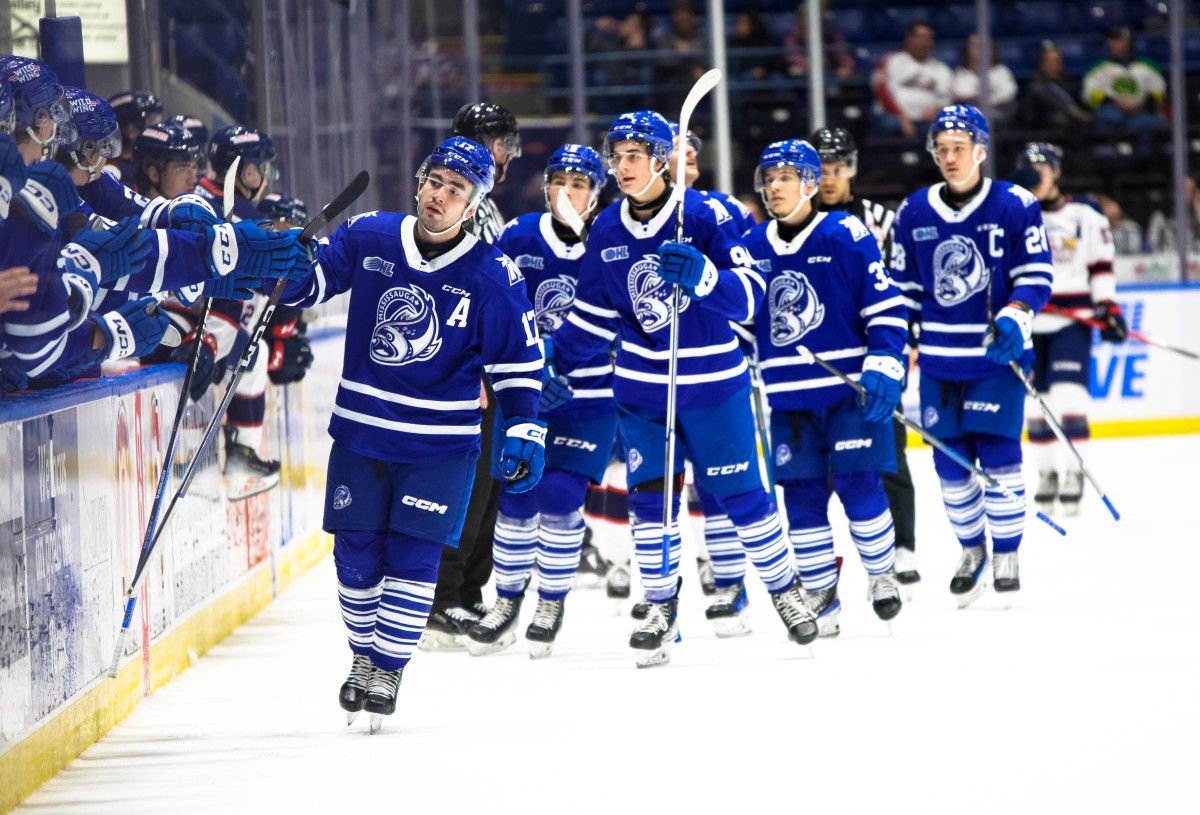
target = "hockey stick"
x: 760, y: 422
x: 703, y: 85
x: 809, y: 357
x: 567, y: 210
x: 1133, y: 335
x: 328, y: 213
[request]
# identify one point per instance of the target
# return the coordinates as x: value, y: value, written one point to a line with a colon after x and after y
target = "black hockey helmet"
x: 483, y: 122
x: 139, y: 109
x: 834, y: 144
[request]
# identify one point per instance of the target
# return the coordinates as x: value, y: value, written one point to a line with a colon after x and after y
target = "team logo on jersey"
x: 719, y: 210
x: 858, y: 230
x: 783, y: 454
x: 614, y: 253
x: 378, y: 264
x: 529, y: 261
x: 795, y: 309
x: 958, y: 270
x: 341, y: 497
x: 406, y: 327
x: 930, y: 417
x: 924, y: 233
x: 514, y: 274
x: 552, y: 301
x: 651, y: 296
x: 635, y: 459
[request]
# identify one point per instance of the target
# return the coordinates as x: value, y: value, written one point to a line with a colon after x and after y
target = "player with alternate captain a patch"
x: 625, y: 290
x: 545, y: 525
x: 828, y: 292
x: 431, y: 310
x: 959, y: 247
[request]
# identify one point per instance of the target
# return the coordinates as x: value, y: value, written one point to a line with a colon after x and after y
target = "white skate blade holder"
x: 540, y: 650
x: 482, y: 649
x: 730, y: 627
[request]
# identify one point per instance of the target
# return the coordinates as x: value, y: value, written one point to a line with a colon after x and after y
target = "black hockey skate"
x: 826, y: 607
x: 884, y: 593
x: 970, y: 578
x: 354, y: 690
x: 725, y: 611
x: 245, y: 473
x: 381, y: 695
x: 497, y: 630
x: 906, y: 566
x: 447, y: 629
x: 593, y: 568
x: 640, y: 609
x: 1047, y: 491
x: 616, y: 582
x: 547, y: 619
x: 652, y: 640
x: 799, y: 619
x: 1006, y: 576
x: 708, y: 584
x: 1072, y: 492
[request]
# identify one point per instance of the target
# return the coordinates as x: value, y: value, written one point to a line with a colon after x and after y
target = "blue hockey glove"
x: 206, y: 365
x: 685, y: 265
x: 191, y: 213
x: 134, y: 329
x: 882, y: 378
x: 523, y: 456
x: 256, y: 252
x: 110, y: 254
x: 12, y: 173
x: 556, y: 392
x: 1014, y: 327
x: 50, y: 194
x: 1115, y: 329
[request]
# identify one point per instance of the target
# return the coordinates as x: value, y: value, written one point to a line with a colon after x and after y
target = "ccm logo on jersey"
x: 728, y: 469
x: 981, y: 407
x: 820, y: 259
x: 852, y: 444
x: 577, y: 444
x: 421, y: 503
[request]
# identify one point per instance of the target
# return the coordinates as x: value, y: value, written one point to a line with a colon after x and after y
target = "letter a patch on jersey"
x: 406, y: 327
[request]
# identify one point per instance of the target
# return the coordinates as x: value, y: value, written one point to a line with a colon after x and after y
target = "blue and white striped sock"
x: 403, y: 609
x: 647, y: 546
x: 763, y: 541
x: 1005, y: 520
x: 876, y: 542
x: 964, y: 508
x: 513, y: 553
x: 724, y: 550
x: 358, y: 613
x: 560, y: 543
x: 815, y: 560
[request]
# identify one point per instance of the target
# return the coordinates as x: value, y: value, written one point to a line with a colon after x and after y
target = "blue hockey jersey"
x: 551, y: 269
x: 621, y: 296
x: 419, y: 336
x: 743, y: 218
x: 944, y: 260
x: 828, y: 290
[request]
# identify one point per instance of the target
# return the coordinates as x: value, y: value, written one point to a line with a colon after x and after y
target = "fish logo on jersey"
x: 958, y: 270
x: 783, y: 454
x: 406, y: 327
x: 651, y: 296
x: 795, y: 309
x: 634, y: 459
x: 342, y: 497
x: 552, y: 301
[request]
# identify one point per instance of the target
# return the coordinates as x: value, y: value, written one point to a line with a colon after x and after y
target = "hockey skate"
x: 800, y: 622
x: 547, y: 619
x: 884, y: 593
x: 704, y: 569
x: 381, y: 696
x: 906, y: 566
x: 640, y: 609
x: 497, y: 630
x: 970, y: 578
x: 447, y: 629
x: 652, y: 640
x: 826, y: 607
x: 725, y: 611
x: 1006, y: 576
x: 1072, y: 492
x: 616, y: 582
x: 1047, y: 491
x: 593, y: 568
x: 246, y: 474
x: 354, y: 690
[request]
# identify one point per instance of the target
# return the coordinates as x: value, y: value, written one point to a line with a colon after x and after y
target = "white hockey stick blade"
x: 566, y: 211
x: 230, y: 189
x: 703, y: 85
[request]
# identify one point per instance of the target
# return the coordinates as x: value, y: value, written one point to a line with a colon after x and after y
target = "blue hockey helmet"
x: 138, y: 109
x: 199, y: 130
x: 1042, y: 152
x: 161, y: 144
x: 8, y: 109
x: 959, y: 118
x: 38, y: 97
x: 694, y: 140
x: 646, y: 126
x: 795, y: 153
x: 469, y: 159
x: 280, y: 207
x: 251, y: 144
x: 577, y: 158
x: 93, y: 134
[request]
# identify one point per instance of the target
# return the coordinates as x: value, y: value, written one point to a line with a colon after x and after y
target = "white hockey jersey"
x: 1082, y: 246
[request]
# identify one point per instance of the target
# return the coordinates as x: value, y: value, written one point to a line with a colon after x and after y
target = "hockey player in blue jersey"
x: 959, y: 247
x: 432, y: 309
x: 828, y: 291
x: 625, y: 291
x: 546, y: 525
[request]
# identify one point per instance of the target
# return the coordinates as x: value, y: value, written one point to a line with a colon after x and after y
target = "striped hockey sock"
x: 964, y: 508
x: 1005, y: 520
x: 763, y: 541
x: 403, y: 609
x: 725, y: 550
x: 815, y: 561
x: 359, y: 607
x: 513, y: 553
x: 559, y: 544
x: 647, y: 545
x: 876, y: 542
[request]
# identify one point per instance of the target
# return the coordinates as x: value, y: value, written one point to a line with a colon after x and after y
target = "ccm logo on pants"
x: 728, y: 469
x: 421, y: 503
x: 852, y: 444
x: 579, y: 444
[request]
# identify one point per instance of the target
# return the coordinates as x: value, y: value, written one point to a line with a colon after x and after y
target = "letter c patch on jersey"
x: 406, y: 327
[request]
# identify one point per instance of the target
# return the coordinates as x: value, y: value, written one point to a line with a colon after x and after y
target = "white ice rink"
x: 1083, y: 698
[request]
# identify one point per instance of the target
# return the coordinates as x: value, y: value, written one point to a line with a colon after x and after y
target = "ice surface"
x: 1083, y: 698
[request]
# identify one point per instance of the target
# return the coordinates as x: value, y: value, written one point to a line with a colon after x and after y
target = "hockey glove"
x: 50, y: 194
x: 686, y: 266
x: 882, y: 380
x: 131, y: 331
x: 556, y: 392
x: 523, y: 456
x: 291, y: 353
x: 191, y: 213
x: 1013, y: 328
x: 12, y: 173
x: 256, y: 252
x: 110, y: 254
x: 206, y: 365
x: 1114, y: 329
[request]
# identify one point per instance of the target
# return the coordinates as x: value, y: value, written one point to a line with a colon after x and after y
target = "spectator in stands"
x: 1128, y: 93
x: 16, y: 284
x: 750, y: 33
x: 911, y: 85
x: 1049, y: 101
x: 1002, y: 87
x: 684, y: 36
x: 626, y: 36
x: 838, y: 59
x: 1126, y: 232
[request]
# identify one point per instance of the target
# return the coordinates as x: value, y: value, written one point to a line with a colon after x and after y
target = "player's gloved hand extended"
x: 523, y: 456
x: 1014, y: 327
x: 291, y: 353
x: 110, y: 254
x: 686, y: 266
x: 12, y: 173
x: 256, y: 252
x: 134, y: 329
x: 882, y: 380
x: 206, y: 365
x: 50, y: 194
x: 1115, y: 329
x: 556, y: 390
x: 191, y: 213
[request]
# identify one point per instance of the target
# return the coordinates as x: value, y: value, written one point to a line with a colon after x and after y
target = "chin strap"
x: 650, y: 183
x: 803, y: 200
x: 92, y: 170
x: 46, y: 145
